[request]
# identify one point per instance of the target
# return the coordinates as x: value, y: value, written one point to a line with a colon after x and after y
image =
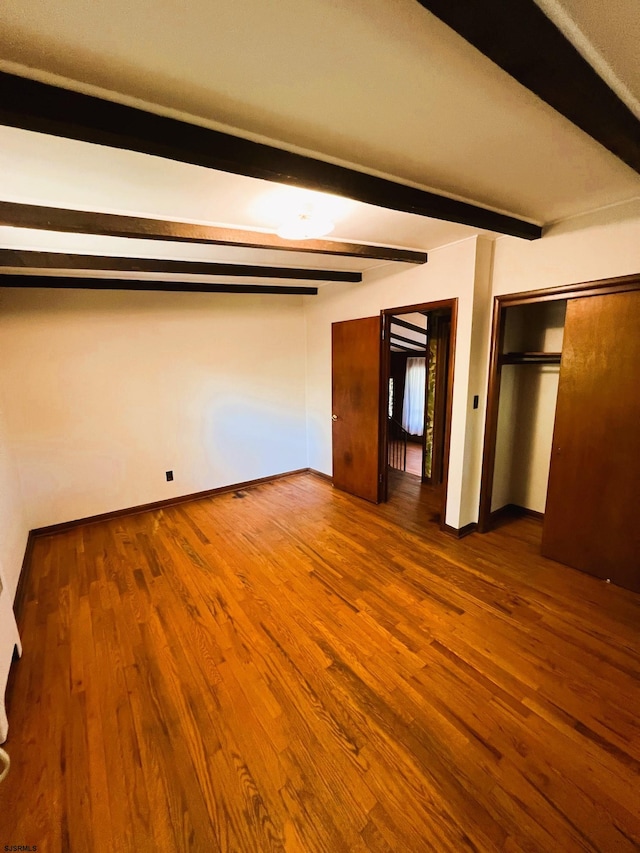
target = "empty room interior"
x: 319, y: 446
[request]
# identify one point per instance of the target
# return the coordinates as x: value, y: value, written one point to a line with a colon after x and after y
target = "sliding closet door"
x: 592, y: 517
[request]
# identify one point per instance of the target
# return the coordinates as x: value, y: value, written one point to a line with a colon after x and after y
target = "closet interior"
x: 562, y: 439
x: 529, y: 369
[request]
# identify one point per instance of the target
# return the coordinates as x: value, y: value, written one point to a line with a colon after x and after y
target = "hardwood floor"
x: 288, y: 669
x: 412, y: 505
x: 413, y: 458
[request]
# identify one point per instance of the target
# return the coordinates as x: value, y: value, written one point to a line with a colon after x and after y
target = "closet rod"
x: 530, y: 358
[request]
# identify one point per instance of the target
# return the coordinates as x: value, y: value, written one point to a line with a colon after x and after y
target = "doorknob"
x: 334, y: 417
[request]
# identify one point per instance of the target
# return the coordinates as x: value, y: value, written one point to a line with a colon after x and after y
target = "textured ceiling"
x: 382, y: 86
x: 608, y: 37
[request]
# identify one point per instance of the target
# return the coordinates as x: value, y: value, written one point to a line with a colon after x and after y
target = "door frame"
x: 441, y: 397
x: 599, y: 287
x: 386, y: 315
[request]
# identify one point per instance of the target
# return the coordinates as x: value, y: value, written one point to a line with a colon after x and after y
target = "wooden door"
x: 356, y: 358
x: 591, y: 518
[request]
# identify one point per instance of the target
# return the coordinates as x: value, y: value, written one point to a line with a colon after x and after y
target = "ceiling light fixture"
x: 305, y: 226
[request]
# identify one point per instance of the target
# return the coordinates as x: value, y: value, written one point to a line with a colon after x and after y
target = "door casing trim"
x: 386, y: 315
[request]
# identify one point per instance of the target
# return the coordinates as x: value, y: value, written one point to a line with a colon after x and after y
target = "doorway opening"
x: 417, y: 385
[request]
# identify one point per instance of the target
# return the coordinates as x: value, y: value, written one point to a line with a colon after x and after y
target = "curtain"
x: 413, y: 403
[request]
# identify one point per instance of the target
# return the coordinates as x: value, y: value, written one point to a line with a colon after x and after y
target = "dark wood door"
x: 356, y: 356
x: 591, y: 518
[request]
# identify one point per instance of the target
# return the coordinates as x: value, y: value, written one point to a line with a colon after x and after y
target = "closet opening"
x: 561, y: 438
x: 527, y: 389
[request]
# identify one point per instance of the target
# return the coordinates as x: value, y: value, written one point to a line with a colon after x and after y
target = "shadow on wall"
x: 534, y: 413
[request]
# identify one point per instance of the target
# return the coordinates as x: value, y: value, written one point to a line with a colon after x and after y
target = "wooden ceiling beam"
x: 395, y: 338
x: 36, y: 106
x: 396, y: 321
x: 518, y: 37
x: 116, y: 225
x: 53, y: 282
x: 20, y: 258
x: 400, y: 350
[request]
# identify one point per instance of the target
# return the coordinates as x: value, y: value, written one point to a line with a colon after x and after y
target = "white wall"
x: 478, y: 368
x: 526, y: 415
x: 525, y: 432
x: 109, y: 390
x: 13, y: 539
x: 14, y: 528
x: 449, y: 273
x: 604, y: 244
x: 599, y: 245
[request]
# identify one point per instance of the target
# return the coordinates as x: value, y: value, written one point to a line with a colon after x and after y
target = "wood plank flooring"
x: 414, y: 456
x: 292, y: 669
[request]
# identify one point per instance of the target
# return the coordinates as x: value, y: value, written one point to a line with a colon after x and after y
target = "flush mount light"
x: 305, y: 226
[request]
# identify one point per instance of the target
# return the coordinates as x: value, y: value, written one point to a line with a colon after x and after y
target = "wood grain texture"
x: 356, y: 353
x: 591, y: 517
x: 62, y: 219
x: 55, y: 261
x: 443, y: 398
x: 290, y: 668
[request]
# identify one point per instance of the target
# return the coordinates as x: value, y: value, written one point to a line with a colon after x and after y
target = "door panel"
x: 356, y: 354
x: 591, y: 518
